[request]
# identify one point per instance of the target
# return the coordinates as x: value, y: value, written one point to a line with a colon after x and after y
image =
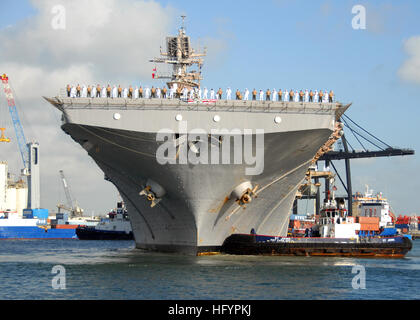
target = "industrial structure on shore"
x: 13, y: 194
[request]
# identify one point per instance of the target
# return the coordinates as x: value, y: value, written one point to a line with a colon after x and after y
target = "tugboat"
x: 335, y: 234
x: 116, y: 227
x: 334, y: 221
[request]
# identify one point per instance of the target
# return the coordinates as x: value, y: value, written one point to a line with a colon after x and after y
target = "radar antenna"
x: 181, y: 56
x: 183, y: 22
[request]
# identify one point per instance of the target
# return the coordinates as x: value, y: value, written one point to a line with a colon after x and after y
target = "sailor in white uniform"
x: 147, y: 93
x: 185, y: 93
x: 174, y: 89
x: 296, y: 96
x: 93, y: 94
x: 103, y: 92
x: 246, y: 95
x: 261, y: 95
x: 274, y: 95
x: 114, y: 92
x: 125, y: 93
x: 316, y: 96
x: 205, y: 93
x: 84, y: 92
x: 306, y: 95
x: 73, y: 92
x: 325, y: 97
x: 199, y: 93
x: 158, y: 93
x: 228, y: 94
x: 286, y: 95
x: 212, y: 94
x: 136, y: 93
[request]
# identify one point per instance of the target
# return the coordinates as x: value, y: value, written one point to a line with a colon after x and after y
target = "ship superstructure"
x: 369, y: 205
x: 181, y: 56
x: 228, y: 166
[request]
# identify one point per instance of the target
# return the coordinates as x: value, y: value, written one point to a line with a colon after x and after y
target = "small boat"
x: 335, y: 234
x: 116, y: 227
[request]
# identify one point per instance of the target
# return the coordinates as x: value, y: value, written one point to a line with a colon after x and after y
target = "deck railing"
x: 255, y: 106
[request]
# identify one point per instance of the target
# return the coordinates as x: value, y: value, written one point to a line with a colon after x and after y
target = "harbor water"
x: 116, y: 270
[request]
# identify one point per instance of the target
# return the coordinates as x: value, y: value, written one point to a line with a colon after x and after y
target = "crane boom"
x: 66, y: 190
x: 28, y: 151
x: 20, y: 136
x: 72, y: 206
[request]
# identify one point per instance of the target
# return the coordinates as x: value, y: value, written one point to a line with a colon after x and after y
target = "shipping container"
x: 62, y: 216
x: 40, y: 213
x: 369, y: 227
x: 59, y: 216
x: 374, y: 220
x: 28, y: 215
x: 66, y: 226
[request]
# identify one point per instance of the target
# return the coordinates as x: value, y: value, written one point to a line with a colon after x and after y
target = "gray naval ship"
x: 189, y: 206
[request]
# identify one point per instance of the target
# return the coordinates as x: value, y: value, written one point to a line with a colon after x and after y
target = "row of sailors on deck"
x: 198, y: 93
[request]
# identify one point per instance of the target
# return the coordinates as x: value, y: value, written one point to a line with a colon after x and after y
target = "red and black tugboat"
x: 335, y: 234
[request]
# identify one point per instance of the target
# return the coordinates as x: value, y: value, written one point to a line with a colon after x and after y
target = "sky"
x: 250, y: 44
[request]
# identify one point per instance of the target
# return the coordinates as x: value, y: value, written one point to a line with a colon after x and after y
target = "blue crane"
x: 28, y: 151
x: 20, y: 136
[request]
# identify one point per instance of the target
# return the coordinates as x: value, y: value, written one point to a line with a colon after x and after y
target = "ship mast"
x: 181, y: 56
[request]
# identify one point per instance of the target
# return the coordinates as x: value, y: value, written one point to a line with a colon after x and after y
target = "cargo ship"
x: 375, y: 215
x: 33, y: 225
x: 16, y: 222
x: 116, y: 227
x: 179, y: 204
x: 373, y: 206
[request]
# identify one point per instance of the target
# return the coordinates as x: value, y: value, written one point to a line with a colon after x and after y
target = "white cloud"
x: 115, y: 38
x: 105, y: 41
x: 410, y: 69
x: 31, y: 82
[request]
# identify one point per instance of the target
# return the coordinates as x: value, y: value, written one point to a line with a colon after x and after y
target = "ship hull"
x: 198, y: 211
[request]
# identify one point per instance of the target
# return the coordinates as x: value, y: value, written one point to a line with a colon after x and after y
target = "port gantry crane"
x: 28, y: 151
x: 20, y: 136
x: 72, y: 206
x: 346, y: 153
